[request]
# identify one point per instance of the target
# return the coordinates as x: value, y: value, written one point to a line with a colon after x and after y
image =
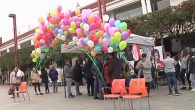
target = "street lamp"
x: 13, y: 16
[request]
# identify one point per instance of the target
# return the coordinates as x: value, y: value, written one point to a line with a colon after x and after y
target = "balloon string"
x: 99, y: 73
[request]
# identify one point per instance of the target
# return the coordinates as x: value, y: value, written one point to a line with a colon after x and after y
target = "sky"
x: 27, y: 13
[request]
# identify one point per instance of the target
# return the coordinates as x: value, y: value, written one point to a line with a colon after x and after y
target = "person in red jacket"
x: 106, y: 73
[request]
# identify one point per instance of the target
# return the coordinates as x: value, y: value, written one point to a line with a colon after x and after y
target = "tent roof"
x: 137, y: 39
x: 133, y: 39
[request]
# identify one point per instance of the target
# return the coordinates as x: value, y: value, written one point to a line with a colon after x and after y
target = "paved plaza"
x: 158, y: 99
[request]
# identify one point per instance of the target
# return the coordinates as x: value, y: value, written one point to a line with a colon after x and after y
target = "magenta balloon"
x: 125, y: 35
x: 111, y: 22
x: 97, y: 18
x: 92, y: 26
x: 65, y: 21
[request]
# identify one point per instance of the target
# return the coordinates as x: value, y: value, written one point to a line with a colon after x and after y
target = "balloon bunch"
x: 85, y: 29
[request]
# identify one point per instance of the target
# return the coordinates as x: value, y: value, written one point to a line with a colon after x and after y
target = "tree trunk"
x: 163, y: 48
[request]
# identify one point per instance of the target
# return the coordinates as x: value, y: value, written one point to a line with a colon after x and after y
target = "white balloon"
x: 86, y: 27
x: 20, y: 73
x: 110, y: 50
x: 106, y: 18
x: 75, y: 39
x: 59, y: 36
x: 90, y: 43
x: 38, y: 50
x: 63, y: 37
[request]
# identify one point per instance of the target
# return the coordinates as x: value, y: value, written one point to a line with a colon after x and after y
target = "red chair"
x: 22, y: 89
x: 137, y: 90
x: 117, y: 86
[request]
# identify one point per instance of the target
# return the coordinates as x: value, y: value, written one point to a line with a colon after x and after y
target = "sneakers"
x: 71, y: 96
x: 193, y: 90
x: 177, y: 94
x: 79, y: 94
x: 170, y: 94
x: 183, y: 88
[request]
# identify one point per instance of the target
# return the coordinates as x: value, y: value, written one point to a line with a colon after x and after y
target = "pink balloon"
x: 59, y: 8
x: 111, y: 31
x: 62, y: 27
x: 105, y: 42
x: 107, y: 27
x: 32, y: 55
x: 67, y: 14
x: 56, y: 16
x: 52, y: 20
x: 42, y: 41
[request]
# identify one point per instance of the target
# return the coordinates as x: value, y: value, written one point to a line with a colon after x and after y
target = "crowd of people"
x: 113, y: 68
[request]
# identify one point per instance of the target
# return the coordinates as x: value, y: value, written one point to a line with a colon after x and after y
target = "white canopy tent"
x: 133, y: 39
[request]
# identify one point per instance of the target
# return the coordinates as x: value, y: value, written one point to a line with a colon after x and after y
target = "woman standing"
x: 77, y: 77
x: 45, y: 80
x: 87, y: 69
x: 35, y: 80
x: 144, y: 67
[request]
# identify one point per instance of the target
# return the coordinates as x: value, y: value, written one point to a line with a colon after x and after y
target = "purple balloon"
x: 82, y: 41
x: 111, y: 22
x: 85, y: 19
x: 125, y: 35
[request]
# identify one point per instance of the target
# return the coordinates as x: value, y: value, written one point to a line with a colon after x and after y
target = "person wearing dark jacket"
x: 98, y: 79
x: 68, y: 76
x: 77, y: 77
x: 45, y: 80
x: 87, y: 69
x: 53, y: 75
x: 191, y: 70
x: 114, y: 69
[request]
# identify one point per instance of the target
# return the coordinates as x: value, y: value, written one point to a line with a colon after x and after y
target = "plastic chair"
x: 22, y: 89
x: 137, y: 90
x: 117, y: 86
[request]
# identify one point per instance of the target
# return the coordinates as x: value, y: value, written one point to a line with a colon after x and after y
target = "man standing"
x: 191, y: 70
x: 68, y: 77
x: 169, y: 68
x: 15, y: 81
x: 53, y: 75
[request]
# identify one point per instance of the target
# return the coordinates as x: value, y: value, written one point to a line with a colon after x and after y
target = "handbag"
x: 11, y: 90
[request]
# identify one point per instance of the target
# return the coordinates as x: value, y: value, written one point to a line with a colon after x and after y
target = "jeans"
x: 90, y: 85
x: 46, y: 87
x: 172, y: 82
x: 182, y: 76
x: 55, y: 86
x: 37, y: 85
x: 77, y: 84
x: 69, y: 84
x: 192, y: 78
x: 98, y: 88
